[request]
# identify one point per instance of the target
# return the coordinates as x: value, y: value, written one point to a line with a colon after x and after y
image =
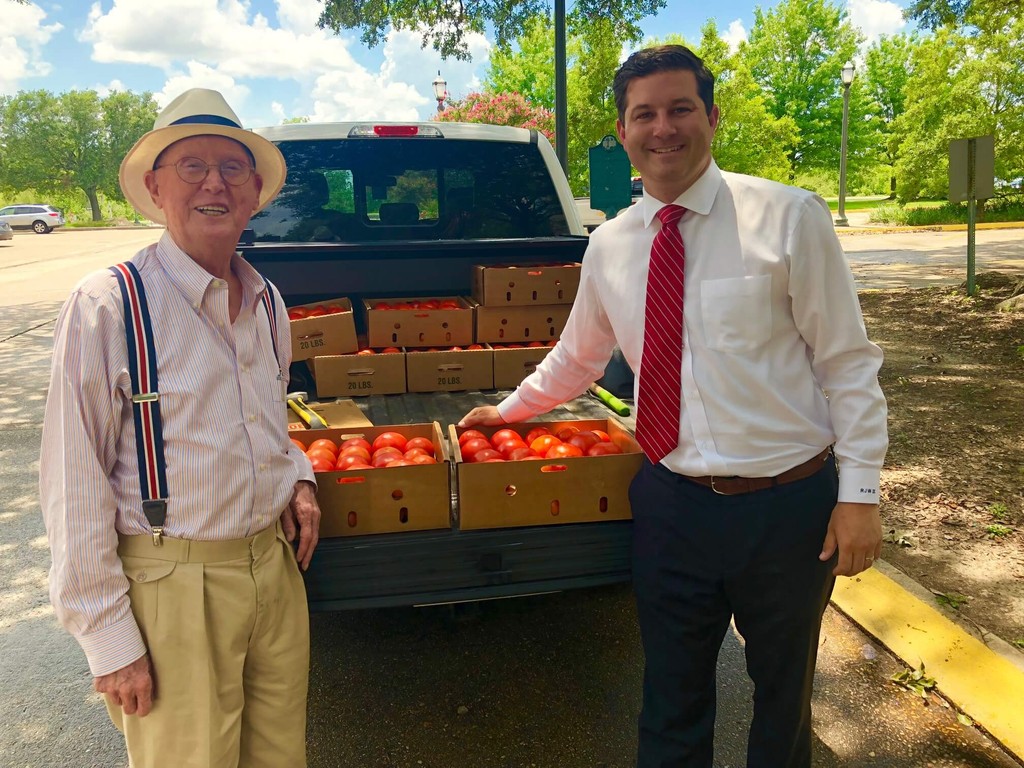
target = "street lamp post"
x: 440, y: 92
x: 847, y: 81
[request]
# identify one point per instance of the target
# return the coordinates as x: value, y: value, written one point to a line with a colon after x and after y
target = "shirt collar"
x: 193, y: 281
x: 698, y: 198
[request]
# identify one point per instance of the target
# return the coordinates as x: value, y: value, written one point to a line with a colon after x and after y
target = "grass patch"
x: 928, y: 213
x: 998, y: 531
x: 103, y: 223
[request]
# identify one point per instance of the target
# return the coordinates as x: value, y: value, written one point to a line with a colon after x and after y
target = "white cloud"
x: 875, y: 18
x: 200, y: 75
x: 298, y: 15
x: 113, y: 86
x: 22, y: 37
x: 735, y: 35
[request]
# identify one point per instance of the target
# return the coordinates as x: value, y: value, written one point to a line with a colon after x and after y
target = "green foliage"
x: 951, y: 600
x: 796, y: 52
x: 947, y: 213
x: 72, y: 141
x: 915, y: 680
x: 998, y: 531
x: 529, y: 68
x: 444, y: 26
x: 998, y: 510
x: 932, y: 14
x: 888, y: 66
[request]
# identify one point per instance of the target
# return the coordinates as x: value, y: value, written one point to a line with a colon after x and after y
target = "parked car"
x: 6, y: 233
x: 37, y: 217
x: 637, y: 185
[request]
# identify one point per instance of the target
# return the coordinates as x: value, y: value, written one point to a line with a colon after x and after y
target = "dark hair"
x: 663, y: 58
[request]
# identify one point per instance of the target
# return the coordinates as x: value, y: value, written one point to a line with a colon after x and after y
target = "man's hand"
x: 487, y: 415
x: 856, y: 530
x: 130, y: 688
x: 302, y: 516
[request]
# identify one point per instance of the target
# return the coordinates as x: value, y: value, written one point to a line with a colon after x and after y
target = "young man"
x: 190, y: 608
x: 755, y: 378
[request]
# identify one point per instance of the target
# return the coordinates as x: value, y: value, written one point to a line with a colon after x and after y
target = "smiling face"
x: 205, y: 219
x: 667, y: 132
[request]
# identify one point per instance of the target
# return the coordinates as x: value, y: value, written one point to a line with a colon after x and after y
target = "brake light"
x: 402, y: 131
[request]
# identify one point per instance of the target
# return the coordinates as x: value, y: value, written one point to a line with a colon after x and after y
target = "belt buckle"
x: 720, y: 493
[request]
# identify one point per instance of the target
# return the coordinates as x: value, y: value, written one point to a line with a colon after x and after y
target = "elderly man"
x: 169, y: 487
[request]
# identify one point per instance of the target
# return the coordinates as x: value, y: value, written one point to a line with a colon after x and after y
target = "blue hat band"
x: 208, y: 120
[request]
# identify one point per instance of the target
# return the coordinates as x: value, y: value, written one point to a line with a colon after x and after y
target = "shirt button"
x: 141, y: 577
x: 245, y: 369
x: 263, y: 467
x: 252, y: 418
x: 195, y: 307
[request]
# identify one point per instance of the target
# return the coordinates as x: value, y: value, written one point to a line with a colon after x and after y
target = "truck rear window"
x: 366, y: 190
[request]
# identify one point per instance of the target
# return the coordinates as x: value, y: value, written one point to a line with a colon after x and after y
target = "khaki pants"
x: 227, y: 628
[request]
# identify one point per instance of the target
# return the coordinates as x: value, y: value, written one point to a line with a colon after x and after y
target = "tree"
x: 932, y: 14
x: 962, y: 85
x: 888, y: 66
x: 445, y: 25
x: 499, y: 109
x: 75, y: 140
x: 528, y: 67
x: 795, y: 53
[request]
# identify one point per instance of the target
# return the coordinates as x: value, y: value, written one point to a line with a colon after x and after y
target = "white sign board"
x: 984, y: 168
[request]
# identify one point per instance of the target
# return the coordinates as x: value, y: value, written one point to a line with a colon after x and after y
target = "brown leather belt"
x: 732, y: 486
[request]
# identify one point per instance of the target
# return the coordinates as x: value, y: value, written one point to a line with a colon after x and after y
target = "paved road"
x: 546, y: 682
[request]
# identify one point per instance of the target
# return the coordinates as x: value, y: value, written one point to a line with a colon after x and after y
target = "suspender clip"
x: 156, y: 513
x: 157, y: 536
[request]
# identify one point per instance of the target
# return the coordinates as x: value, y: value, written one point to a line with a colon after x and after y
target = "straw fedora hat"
x: 196, y: 112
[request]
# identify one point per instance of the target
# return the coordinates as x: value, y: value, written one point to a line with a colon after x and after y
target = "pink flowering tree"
x: 500, y: 109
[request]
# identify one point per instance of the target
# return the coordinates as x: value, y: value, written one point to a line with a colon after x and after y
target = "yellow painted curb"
x: 980, y: 682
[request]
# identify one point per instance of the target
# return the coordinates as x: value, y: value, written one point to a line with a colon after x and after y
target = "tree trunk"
x: 892, y: 187
x: 94, y: 203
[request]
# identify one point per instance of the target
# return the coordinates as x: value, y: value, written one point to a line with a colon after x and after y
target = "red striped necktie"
x: 658, y: 402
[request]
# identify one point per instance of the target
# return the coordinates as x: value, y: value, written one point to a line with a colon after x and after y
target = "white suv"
x: 39, y: 218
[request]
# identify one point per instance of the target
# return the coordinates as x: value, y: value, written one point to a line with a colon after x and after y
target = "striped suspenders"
x: 142, y: 366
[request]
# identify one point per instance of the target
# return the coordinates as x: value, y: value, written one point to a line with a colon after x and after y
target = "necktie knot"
x: 670, y: 215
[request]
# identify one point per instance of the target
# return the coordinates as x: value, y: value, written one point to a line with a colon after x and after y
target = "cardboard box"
x: 359, y: 375
x: 511, y: 366
x: 509, y: 494
x: 449, y: 371
x: 359, y: 502
x: 326, y: 334
x: 501, y: 325
x: 419, y: 327
x: 526, y: 285
x: 339, y: 414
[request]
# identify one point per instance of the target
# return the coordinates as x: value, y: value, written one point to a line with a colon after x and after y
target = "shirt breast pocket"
x: 737, y: 312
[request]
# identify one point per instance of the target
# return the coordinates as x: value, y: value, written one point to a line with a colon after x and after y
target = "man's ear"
x: 713, y: 118
x: 259, y: 188
x: 153, y: 187
x: 620, y: 129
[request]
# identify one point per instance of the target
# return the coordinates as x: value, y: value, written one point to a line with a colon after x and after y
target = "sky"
x: 271, y: 62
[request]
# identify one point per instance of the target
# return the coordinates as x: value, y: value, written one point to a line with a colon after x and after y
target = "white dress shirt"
x: 776, y: 362
x: 231, y: 468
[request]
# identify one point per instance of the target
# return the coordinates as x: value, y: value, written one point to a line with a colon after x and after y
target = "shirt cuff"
x: 114, y: 647
x: 859, y: 486
x: 513, y: 410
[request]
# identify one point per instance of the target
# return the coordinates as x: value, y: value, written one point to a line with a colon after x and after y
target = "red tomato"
x: 475, y: 346
x: 357, y: 450
x: 603, y: 449
x: 543, y: 443
x: 384, y: 455
x: 602, y: 435
x: 535, y: 344
x: 347, y: 460
x: 389, y: 350
x: 536, y: 432
x: 298, y: 444
x: 362, y: 442
x: 524, y: 452
x: 420, y: 442
x: 507, y: 446
x: 394, y: 439
x: 485, y: 454
x: 366, y: 351
x: 471, y: 447
x: 381, y: 305
x: 584, y: 440
x: 502, y: 435
x: 335, y: 309
x: 563, y: 451
x: 324, y: 442
x: 564, y: 433
x: 449, y: 304
x: 322, y: 453
x: 552, y: 342
x: 318, y: 311
x: 423, y: 458
x: 399, y: 463
x: 410, y: 452
x: 430, y: 304
x: 454, y: 349
x: 357, y: 467
x: 471, y: 434
x: 321, y: 464
x: 297, y: 313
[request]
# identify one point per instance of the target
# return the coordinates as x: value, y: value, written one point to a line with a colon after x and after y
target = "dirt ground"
x: 953, y: 485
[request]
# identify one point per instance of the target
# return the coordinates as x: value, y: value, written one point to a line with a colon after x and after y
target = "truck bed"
x: 431, y: 567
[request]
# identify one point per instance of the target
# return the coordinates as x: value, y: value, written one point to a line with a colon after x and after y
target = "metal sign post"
x: 971, y: 178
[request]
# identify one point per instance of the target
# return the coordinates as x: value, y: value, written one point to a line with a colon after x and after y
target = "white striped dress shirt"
x: 231, y: 468
x: 776, y: 361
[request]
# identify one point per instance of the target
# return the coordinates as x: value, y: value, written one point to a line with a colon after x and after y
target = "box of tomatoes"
x: 322, y: 328
x: 421, y: 321
x: 380, y: 479
x: 543, y: 473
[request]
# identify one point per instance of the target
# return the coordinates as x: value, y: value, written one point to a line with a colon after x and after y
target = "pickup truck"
x: 375, y: 210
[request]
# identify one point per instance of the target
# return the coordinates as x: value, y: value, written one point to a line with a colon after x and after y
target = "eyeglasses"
x: 192, y: 170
